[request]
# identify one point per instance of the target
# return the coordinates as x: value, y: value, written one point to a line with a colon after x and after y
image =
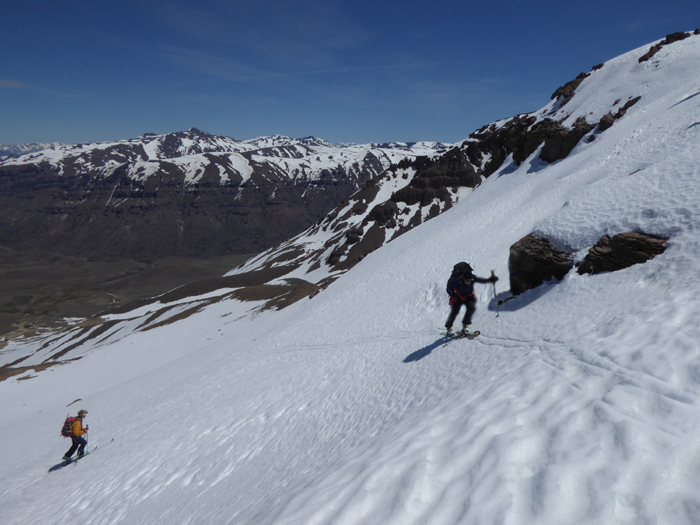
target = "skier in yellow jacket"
x: 79, y: 442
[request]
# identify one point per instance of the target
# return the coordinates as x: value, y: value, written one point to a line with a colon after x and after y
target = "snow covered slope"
x: 579, y: 403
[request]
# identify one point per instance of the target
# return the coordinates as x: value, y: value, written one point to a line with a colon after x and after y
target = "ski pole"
x: 495, y: 297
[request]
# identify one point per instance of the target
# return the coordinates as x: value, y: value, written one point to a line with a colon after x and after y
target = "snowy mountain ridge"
x: 411, y: 192
x: 579, y: 403
x: 188, y: 193
x: 197, y: 150
x: 27, y: 147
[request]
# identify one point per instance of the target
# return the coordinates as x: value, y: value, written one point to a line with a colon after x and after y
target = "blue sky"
x: 346, y: 71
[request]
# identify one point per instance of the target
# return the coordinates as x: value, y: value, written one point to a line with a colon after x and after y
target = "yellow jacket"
x: 77, y: 428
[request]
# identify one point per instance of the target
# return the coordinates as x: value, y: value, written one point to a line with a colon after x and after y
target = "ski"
x: 461, y: 335
x: 65, y: 463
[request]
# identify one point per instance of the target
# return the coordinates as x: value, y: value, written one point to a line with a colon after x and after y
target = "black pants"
x: 471, y: 308
x: 79, y: 443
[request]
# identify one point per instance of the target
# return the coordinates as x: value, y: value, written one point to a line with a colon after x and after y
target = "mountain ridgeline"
x: 187, y: 194
x: 317, y: 208
x: 413, y: 191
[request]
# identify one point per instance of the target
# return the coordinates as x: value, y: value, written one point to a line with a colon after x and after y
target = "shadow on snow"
x: 60, y: 465
x: 512, y: 303
x: 426, y: 350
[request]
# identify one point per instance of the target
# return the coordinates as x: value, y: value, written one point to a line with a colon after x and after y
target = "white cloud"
x: 12, y: 84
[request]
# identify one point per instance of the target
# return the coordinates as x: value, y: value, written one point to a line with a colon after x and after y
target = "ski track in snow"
x: 577, y: 404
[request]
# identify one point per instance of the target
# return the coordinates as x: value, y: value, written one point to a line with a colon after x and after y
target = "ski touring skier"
x: 460, y: 288
x: 77, y: 433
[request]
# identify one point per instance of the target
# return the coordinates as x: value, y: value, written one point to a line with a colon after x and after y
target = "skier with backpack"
x: 460, y: 288
x: 73, y: 428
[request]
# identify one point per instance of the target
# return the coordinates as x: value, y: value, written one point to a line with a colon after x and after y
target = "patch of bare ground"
x: 178, y: 317
x: 8, y: 371
x: 278, y: 296
x: 91, y: 334
x: 42, y: 311
x: 39, y: 290
x: 243, y: 280
x: 297, y: 289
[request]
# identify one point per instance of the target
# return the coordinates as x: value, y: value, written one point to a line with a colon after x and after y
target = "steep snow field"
x: 579, y: 403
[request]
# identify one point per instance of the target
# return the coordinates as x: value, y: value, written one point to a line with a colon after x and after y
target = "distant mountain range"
x: 315, y: 205
x: 28, y: 147
x: 186, y: 194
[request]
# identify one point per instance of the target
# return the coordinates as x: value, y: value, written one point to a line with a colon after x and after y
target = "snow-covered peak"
x: 28, y: 147
x: 101, y: 158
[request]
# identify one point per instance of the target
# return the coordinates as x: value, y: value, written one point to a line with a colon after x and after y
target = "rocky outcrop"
x: 670, y: 39
x: 623, y: 110
x: 521, y: 137
x: 559, y: 142
x: 609, y: 119
x: 621, y: 251
x: 606, y: 122
x: 533, y: 261
x: 434, y: 178
x: 567, y: 90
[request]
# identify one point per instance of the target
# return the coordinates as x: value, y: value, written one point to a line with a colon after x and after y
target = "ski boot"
x: 466, y: 333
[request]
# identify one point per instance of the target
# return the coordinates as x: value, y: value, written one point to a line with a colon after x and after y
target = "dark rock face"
x: 120, y: 217
x: 533, y: 261
x: 621, y: 251
x: 521, y: 137
x: 609, y: 119
x: 567, y: 90
x: 559, y: 143
x: 383, y: 214
x: 623, y: 110
x: 652, y: 51
x: 606, y: 122
x: 676, y: 37
x: 434, y: 177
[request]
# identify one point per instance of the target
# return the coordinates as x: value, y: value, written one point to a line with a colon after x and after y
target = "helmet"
x: 82, y: 413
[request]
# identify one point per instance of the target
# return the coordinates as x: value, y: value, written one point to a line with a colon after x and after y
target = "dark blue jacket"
x: 461, y: 286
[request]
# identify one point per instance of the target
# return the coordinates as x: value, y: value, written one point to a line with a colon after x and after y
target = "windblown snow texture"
x: 578, y: 404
